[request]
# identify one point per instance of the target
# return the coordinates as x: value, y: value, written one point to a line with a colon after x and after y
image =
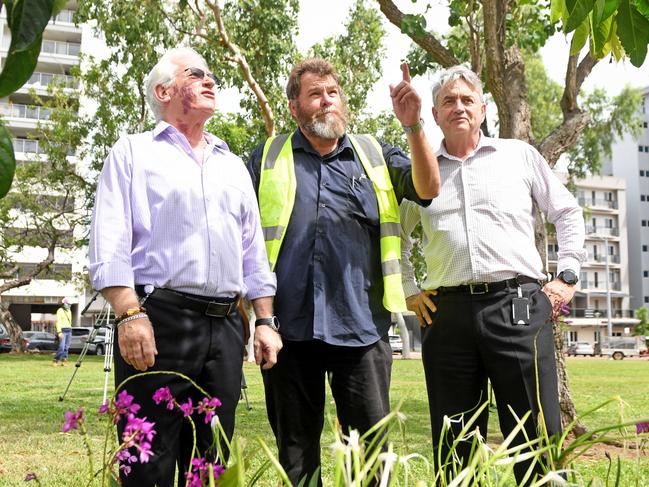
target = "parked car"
x: 80, y: 336
x: 40, y: 340
x: 395, y: 343
x: 5, y: 340
x: 581, y: 348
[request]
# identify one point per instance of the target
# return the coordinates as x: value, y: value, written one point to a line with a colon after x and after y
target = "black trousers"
x: 209, y: 351
x: 473, y: 338
x: 295, y: 396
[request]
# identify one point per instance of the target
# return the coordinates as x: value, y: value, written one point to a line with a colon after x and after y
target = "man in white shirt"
x: 485, y: 311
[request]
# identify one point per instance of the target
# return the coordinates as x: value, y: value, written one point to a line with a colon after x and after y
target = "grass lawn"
x: 31, y: 416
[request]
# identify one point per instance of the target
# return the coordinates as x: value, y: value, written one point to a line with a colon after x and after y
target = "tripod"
x: 103, y: 321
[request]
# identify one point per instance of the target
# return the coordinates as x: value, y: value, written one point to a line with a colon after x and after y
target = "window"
x: 646, y: 299
x: 644, y: 223
x: 572, y: 336
x: 597, y: 336
x: 644, y: 124
x: 641, y: 172
x: 645, y: 273
x: 646, y: 148
x: 643, y: 197
x: 645, y: 248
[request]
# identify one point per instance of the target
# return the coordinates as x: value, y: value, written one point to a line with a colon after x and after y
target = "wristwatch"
x: 411, y: 129
x: 272, y: 322
x: 568, y: 276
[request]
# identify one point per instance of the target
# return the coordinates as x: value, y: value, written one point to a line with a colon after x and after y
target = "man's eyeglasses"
x: 198, y: 73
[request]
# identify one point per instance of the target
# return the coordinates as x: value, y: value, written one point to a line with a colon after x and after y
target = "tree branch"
x: 40, y: 267
x: 262, y: 101
x: 426, y: 41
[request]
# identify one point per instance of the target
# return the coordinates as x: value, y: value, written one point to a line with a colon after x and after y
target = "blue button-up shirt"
x: 329, y: 280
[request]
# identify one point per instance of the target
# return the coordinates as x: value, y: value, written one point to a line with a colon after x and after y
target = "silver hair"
x: 163, y: 73
x: 452, y: 74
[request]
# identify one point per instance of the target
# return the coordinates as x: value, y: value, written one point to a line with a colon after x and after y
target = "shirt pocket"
x: 362, y: 200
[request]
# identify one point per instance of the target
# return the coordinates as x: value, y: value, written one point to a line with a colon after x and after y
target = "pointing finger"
x: 406, y: 72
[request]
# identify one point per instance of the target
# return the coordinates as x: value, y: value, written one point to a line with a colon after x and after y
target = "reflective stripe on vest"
x: 277, y: 186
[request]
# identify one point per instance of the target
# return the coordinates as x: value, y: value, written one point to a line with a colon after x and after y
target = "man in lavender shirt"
x: 175, y: 241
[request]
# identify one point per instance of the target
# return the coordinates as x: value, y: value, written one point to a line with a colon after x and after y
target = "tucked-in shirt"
x: 481, y: 226
x: 329, y: 280
x: 165, y: 219
x: 63, y: 319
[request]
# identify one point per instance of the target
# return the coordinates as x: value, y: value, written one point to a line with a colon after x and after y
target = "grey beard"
x: 331, y: 128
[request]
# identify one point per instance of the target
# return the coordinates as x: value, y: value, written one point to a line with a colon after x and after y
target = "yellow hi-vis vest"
x: 277, y: 186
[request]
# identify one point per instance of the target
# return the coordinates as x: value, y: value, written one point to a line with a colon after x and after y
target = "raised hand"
x: 406, y: 103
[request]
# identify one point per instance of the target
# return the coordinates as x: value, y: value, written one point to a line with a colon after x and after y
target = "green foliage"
x: 642, y: 328
x: 7, y: 161
x: 48, y: 202
x: 609, y: 119
x: 614, y: 26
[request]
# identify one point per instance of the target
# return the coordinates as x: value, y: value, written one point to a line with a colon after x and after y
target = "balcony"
x: 32, y: 147
x: 600, y: 286
x: 601, y: 259
x: 64, y: 16
x: 613, y: 232
x: 553, y: 256
x: 61, y: 48
x: 44, y: 79
x: 598, y: 203
x: 30, y: 112
x: 600, y: 313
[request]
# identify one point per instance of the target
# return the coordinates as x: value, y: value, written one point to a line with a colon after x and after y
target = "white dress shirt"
x: 481, y: 226
x: 165, y: 219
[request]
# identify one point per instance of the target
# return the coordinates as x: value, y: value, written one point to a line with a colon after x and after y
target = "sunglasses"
x: 198, y: 73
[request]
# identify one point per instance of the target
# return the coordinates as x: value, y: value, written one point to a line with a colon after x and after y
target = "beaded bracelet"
x: 131, y: 318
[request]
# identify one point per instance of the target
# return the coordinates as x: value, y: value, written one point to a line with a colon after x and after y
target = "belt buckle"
x: 216, y: 310
x: 479, y: 288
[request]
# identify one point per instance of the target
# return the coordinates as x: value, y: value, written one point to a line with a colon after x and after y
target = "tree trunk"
x: 13, y: 328
x: 568, y: 411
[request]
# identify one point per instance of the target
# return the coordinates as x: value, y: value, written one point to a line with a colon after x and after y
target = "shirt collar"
x: 299, y: 141
x: 484, y: 142
x: 212, y: 140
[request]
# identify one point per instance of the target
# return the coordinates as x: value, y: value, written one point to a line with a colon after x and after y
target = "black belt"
x: 488, y: 287
x: 215, y: 307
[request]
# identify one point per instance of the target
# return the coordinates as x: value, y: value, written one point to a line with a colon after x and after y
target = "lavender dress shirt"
x: 163, y: 218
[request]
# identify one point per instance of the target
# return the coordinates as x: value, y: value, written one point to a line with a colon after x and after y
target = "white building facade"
x: 630, y: 162
x: 604, y: 277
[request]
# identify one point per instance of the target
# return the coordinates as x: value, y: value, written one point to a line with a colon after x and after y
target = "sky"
x: 317, y: 22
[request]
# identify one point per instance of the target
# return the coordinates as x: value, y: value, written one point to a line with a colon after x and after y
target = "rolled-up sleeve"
x: 562, y: 211
x: 111, y: 230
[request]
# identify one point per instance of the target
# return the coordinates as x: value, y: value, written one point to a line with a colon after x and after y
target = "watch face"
x: 569, y: 277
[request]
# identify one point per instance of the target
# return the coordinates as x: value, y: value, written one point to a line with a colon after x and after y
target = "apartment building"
x: 604, y: 279
x: 630, y: 161
x: 34, y: 305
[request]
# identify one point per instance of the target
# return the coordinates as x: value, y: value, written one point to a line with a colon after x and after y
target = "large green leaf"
x: 599, y: 38
x: 578, y: 10
x: 557, y: 10
x: 18, y: 67
x: 643, y: 7
x: 28, y: 20
x: 580, y: 37
x: 616, y: 46
x: 7, y: 161
x: 633, y: 30
x: 604, y: 9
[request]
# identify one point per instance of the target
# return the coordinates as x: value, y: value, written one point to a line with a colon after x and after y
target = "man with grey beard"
x: 329, y: 208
